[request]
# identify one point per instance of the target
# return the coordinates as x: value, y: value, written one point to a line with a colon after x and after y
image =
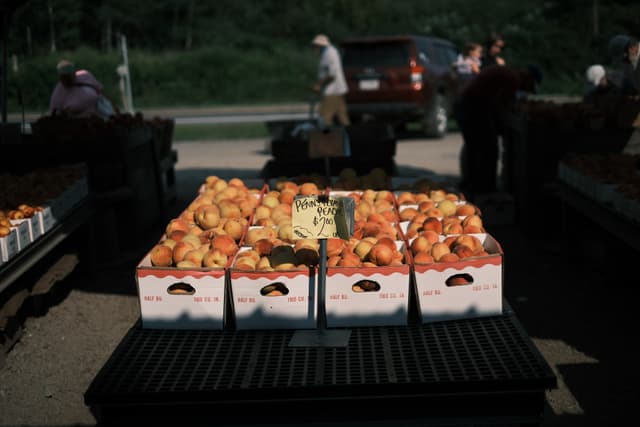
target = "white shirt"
x: 331, y: 65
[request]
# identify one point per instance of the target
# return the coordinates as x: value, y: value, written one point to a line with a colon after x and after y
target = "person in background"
x: 598, y: 84
x: 331, y: 83
x: 481, y: 112
x: 494, y: 45
x: 468, y: 63
x: 625, y: 73
x: 76, y: 94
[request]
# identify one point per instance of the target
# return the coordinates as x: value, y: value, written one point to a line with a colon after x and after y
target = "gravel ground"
x: 577, y: 314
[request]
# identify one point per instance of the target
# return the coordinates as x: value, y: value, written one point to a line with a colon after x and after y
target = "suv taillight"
x: 416, y: 78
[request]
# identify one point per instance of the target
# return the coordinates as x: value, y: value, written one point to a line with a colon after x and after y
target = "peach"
x: 472, y: 229
x: 195, y: 256
x: 408, y: 213
x: 225, y: 243
x: 192, y: 239
x: 431, y: 235
x: 421, y: 197
x: 215, y: 258
x: 186, y: 264
x: 452, y: 196
x: 285, y: 233
x: 271, y: 201
x: 177, y: 224
x: 459, y: 280
x: 362, y: 249
x: 473, y: 220
x: 236, y: 182
x: 246, y: 206
x: 369, y: 195
x: 195, y: 230
x: 434, y: 212
x: 452, y: 228
x: 234, y: 228
x: 262, y: 211
x: 228, y: 209
x: 286, y: 266
x: 199, y: 202
x: 450, y: 257
x: 447, y: 207
x: 287, y: 196
x: 390, y: 242
x: 265, y: 222
x: 334, y: 247
x: 333, y: 260
x: 169, y: 243
x: 406, y: 198
x: 264, y: 264
x: 472, y: 242
x: 377, y: 217
x: 390, y: 215
x: 462, y: 251
x: 384, y: 195
x: 180, y: 249
x: 370, y: 229
x: 449, y: 241
x: 437, y: 195
x: 280, y: 212
x: 439, y: 249
x: 161, y: 255
x: 423, y: 257
x: 349, y: 260
x: 364, y: 209
x: 177, y: 235
x: 466, y: 209
x: 15, y: 214
x: 250, y: 253
x: 245, y: 263
x: 380, y: 254
x: 307, y: 243
x: 420, y: 244
x: 308, y: 189
x: 263, y: 246
x: 426, y: 205
x: 412, y: 230
x: 433, y: 224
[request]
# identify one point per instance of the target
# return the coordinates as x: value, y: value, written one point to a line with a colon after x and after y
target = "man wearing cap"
x: 331, y: 83
x: 76, y: 93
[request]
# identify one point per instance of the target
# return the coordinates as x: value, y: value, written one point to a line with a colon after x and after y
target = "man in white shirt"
x: 331, y: 83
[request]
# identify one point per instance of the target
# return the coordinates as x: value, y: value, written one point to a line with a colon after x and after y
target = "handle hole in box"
x: 181, y: 288
x: 276, y: 289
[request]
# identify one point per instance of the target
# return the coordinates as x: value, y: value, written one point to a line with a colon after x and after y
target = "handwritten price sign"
x: 322, y: 217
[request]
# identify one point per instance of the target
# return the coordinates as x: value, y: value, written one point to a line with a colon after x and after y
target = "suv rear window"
x: 375, y: 54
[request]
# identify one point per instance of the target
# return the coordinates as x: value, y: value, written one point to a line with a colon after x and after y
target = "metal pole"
x: 127, y: 76
x: 3, y: 83
x: 322, y: 280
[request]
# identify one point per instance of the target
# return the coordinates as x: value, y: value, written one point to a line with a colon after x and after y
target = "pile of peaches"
x: 230, y: 225
x: 21, y: 212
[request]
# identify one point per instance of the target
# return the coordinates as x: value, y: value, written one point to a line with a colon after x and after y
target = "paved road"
x: 578, y: 318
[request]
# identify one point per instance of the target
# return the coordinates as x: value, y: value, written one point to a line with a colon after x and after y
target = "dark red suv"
x: 400, y: 79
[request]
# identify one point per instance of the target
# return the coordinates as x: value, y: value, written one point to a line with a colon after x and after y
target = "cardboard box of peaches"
x: 269, y: 279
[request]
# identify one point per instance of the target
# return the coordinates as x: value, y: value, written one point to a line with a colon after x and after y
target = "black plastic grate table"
x: 484, y: 367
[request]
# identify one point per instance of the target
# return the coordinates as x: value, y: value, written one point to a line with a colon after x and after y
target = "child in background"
x: 468, y: 63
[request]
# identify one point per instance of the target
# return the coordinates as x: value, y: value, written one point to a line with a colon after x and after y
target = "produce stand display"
x: 69, y: 179
x: 49, y: 211
x: 606, y: 189
x: 540, y: 134
x: 212, y: 340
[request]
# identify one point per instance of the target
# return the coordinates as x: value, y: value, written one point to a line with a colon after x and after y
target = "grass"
x: 204, y: 132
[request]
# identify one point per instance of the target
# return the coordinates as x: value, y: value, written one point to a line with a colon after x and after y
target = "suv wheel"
x: 436, y: 119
